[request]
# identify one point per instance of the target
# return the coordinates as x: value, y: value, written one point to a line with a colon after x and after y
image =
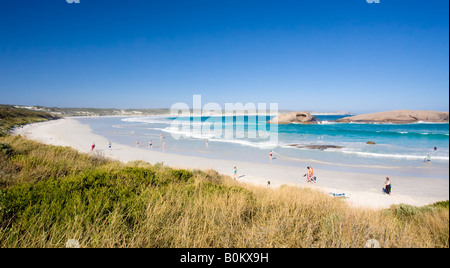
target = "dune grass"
x: 52, y: 194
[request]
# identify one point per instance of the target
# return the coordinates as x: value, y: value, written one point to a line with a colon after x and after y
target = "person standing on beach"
x: 109, y: 145
x: 150, y: 143
x: 271, y: 155
x: 92, y: 146
x: 235, y: 173
x: 137, y: 143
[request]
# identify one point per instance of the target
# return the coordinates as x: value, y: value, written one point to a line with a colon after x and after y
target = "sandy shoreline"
x: 363, y: 190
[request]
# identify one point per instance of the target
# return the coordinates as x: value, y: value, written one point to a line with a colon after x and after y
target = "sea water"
x: 399, y: 149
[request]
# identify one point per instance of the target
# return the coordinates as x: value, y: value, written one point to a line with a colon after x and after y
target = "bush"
x: 441, y: 204
x: 403, y: 210
x: 181, y: 175
x: 6, y: 149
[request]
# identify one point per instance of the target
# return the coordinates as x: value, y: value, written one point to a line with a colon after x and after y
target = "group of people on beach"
x: 93, y: 145
x: 427, y: 159
x: 150, y: 143
x: 310, y: 176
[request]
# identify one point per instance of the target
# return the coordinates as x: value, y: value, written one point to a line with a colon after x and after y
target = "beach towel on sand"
x: 339, y: 195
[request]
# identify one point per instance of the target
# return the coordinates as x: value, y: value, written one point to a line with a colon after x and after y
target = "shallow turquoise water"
x: 399, y: 149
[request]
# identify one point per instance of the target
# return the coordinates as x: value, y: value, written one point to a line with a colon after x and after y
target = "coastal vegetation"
x: 13, y: 117
x: 50, y: 195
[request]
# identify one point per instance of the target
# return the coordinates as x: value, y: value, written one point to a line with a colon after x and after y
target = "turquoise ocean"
x: 399, y: 150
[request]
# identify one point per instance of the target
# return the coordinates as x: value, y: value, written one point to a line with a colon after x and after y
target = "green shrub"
x: 6, y: 149
x: 404, y: 211
x: 181, y: 175
x: 441, y: 204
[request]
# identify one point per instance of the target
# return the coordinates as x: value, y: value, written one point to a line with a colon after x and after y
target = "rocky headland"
x: 295, y: 118
x: 398, y: 117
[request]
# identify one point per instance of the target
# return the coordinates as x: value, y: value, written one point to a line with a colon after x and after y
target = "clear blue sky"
x: 320, y: 55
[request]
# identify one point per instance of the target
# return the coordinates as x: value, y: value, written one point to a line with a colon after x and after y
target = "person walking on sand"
x: 387, y: 186
x: 92, y: 146
x: 109, y: 145
x: 312, y: 176
x: 271, y: 155
x: 307, y: 175
x: 235, y: 173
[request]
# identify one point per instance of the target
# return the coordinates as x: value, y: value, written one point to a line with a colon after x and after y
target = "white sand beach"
x: 362, y: 190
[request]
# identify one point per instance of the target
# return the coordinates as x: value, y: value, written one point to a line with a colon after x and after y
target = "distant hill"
x: 64, y: 112
x: 11, y: 116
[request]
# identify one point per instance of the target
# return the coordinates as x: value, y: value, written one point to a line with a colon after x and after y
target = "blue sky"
x: 316, y: 55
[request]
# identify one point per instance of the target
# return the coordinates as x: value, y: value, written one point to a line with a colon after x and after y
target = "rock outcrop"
x: 399, y: 117
x: 316, y: 147
x: 295, y: 117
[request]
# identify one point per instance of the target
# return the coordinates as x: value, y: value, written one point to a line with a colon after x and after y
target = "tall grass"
x: 52, y: 194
